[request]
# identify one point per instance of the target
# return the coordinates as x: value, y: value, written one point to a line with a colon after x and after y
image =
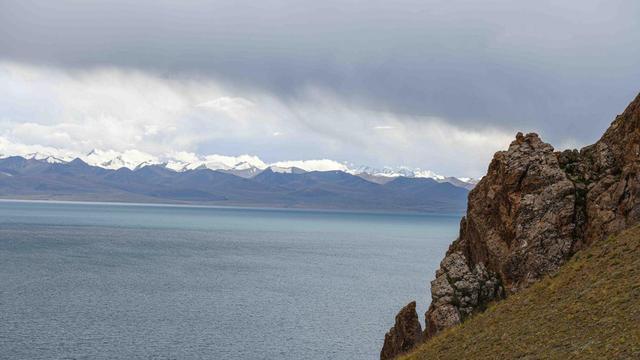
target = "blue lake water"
x: 111, y: 281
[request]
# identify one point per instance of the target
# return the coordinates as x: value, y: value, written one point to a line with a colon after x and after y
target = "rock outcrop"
x: 532, y: 211
x: 519, y: 226
x: 404, y: 335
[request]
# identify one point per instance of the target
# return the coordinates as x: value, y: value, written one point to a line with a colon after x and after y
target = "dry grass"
x: 589, y: 310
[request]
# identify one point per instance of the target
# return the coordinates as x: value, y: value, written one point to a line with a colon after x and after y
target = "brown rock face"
x: 612, y: 168
x: 532, y: 211
x: 519, y: 226
x: 404, y: 335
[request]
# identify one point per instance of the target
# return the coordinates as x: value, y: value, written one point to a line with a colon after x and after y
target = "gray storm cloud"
x: 561, y: 68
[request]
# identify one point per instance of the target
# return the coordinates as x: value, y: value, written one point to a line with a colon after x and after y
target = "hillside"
x: 588, y: 310
x: 533, y: 211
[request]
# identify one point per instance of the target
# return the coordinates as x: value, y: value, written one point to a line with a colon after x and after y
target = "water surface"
x: 113, y: 281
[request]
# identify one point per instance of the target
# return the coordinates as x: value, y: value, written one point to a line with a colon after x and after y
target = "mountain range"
x: 218, y: 180
x: 245, y: 166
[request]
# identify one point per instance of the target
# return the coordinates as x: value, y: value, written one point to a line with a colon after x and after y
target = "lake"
x: 116, y: 281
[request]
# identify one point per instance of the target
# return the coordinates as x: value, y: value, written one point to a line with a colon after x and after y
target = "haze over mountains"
x: 134, y: 176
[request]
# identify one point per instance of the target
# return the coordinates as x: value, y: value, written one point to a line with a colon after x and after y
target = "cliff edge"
x: 530, y: 214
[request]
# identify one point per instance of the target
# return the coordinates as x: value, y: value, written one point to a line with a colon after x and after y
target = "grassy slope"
x: 589, y: 310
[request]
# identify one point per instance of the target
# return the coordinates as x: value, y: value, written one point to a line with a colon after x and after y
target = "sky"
x: 439, y: 85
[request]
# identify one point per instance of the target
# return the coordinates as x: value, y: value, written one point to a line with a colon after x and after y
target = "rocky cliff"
x: 532, y: 211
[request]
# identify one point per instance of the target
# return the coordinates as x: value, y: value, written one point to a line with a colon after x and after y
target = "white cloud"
x: 121, y: 110
x: 8, y: 148
x: 312, y: 165
x: 221, y: 161
x: 235, y: 107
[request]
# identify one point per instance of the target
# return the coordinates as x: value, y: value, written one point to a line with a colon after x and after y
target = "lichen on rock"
x: 457, y: 291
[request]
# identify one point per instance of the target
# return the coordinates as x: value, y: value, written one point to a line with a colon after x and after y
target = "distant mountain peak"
x: 44, y: 157
x: 111, y: 159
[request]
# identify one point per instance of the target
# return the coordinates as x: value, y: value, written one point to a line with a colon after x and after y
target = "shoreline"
x: 234, y: 207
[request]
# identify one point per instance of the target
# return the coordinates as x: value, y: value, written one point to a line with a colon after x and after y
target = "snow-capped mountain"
x: 183, y: 161
x: 246, y: 166
x: 46, y: 158
x: 393, y: 172
x: 111, y: 159
x: 386, y: 174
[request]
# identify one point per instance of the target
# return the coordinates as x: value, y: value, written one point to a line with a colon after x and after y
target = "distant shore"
x: 230, y: 207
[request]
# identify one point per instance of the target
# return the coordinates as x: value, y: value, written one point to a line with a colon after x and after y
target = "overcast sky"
x: 439, y: 85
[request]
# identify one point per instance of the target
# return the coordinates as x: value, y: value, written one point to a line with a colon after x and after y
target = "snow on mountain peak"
x: 44, y: 157
x: 241, y: 162
x: 111, y: 159
x: 427, y: 174
x: 469, y: 180
x: 392, y: 172
x: 182, y: 161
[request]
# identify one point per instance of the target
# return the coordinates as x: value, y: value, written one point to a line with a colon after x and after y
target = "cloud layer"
x: 495, y: 62
x: 121, y: 110
x: 380, y: 82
